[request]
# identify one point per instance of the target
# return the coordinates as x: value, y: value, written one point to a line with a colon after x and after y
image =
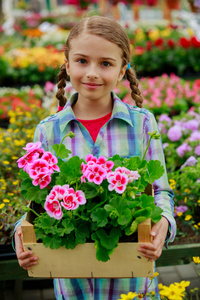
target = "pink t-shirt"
x: 93, y: 126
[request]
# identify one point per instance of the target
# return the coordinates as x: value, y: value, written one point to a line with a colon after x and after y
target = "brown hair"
x: 111, y: 31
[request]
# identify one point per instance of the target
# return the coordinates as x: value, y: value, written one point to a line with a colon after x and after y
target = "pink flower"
x: 38, y: 167
x: 42, y: 180
x: 58, y: 192
x: 51, y: 160
x: 194, y: 136
x: 70, y: 201
x: 165, y: 118
x: 131, y: 175
x: 174, y: 133
x: 117, y: 181
x: 191, y: 125
x: 181, y: 150
x: 53, y: 208
x: 197, y: 150
x: 49, y: 86
x: 80, y: 196
x: 30, y: 147
x: 95, y: 173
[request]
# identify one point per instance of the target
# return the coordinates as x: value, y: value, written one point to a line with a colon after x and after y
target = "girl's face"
x: 94, y: 66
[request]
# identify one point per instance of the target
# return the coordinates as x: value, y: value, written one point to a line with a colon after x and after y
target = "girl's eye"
x: 105, y: 63
x: 82, y: 61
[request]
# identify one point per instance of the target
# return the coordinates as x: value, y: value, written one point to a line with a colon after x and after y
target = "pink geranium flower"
x: 53, y: 208
x: 70, y: 201
x: 95, y: 173
x: 51, y: 160
x: 132, y: 175
x: 42, y: 180
x: 38, y: 167
x: 117, y: 181
x: 30, y: 147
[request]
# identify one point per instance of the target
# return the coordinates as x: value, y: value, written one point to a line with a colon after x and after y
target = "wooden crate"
x: 125, y: 261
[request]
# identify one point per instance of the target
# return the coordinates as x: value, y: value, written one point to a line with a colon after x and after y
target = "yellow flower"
x: 10, y: 194
x: 5, y: 162
x: 129, y: 296
x: 6, y: 200
x: 14, y: 157
x: 190, y: 31
x: 182, y: 284
x: 166, y: 32
x: 154, y: 34
x: 198, y: 201
x: 179, y: 214
x: 8, y: 138
x: 140, y: 296
x: 2, y: 205
x: 196, y: 259
x: 188, y: 217
x: 186, y: 190
x: 15, y: 182
x: 154, y: 275
x: 172, y: 292
x: 196, y: 226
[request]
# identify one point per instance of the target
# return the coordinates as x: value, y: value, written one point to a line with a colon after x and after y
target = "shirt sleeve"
x: 162, y: 192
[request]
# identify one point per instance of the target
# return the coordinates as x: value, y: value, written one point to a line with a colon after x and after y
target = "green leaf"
x: 61, y: 151
x: 102, y: 254
x: 72, y: 168
x: 156, y: 214
x: 100, y: 215
x: 36, y: 194
x: 125, y: 218
x: 147, y: 201
x: 133, y: 163
x: 24, y: 175
x: 144, y: 212
x: 69, y: 242
x: 90, y: 190
x: 155, y: 171
x: 82, y: 233
x: 52, y: 242
x: 109, y: 241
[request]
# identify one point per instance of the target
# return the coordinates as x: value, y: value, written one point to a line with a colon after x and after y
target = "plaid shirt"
x: 126, y: 134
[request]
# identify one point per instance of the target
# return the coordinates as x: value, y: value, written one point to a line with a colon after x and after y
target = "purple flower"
x: 191, y: 125
x: 191, y: 161
x: 178, y: 209
x: 194, y: 136
x: 174, y: 133
x: 165, y: 118
x: 197, y: 150
x: 165, y: 145
x: 182, y: 149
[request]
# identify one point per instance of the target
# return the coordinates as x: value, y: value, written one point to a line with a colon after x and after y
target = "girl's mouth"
x: 92, y: 86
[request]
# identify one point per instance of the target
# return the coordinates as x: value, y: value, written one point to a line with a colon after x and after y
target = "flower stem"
x: 70, y: 134
x: 146, y: 149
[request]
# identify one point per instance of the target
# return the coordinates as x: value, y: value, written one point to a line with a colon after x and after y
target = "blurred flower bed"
x: 37, y: 53
x: 20, y: 131
x: 174, y: 101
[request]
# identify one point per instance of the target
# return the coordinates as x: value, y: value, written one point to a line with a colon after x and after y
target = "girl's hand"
x: 159, y: 232
x: 26, y: 259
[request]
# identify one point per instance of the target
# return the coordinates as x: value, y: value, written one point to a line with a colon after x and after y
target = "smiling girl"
x: 98, y: 55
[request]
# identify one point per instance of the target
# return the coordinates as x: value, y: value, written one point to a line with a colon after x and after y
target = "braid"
x: 135, y: 91
x: 62, y: 77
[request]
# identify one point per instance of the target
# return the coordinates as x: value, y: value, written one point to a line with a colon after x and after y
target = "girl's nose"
x: 92, y: 72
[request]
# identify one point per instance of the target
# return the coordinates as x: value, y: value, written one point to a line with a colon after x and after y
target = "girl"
x: 97, y: 57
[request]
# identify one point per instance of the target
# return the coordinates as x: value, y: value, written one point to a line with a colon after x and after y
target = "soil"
x: 189, y: 235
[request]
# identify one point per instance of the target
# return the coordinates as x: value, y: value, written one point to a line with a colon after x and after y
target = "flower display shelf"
x: 125, y: 262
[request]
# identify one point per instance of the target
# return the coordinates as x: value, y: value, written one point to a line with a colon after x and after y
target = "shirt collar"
x: 120, y: 111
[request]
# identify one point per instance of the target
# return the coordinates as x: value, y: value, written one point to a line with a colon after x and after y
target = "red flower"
x: 139, y: 50
x: 195, y: 43
x: 149, y: 45
x: 170, y: 43
x: 185, y: 43
x: 159, y: 42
